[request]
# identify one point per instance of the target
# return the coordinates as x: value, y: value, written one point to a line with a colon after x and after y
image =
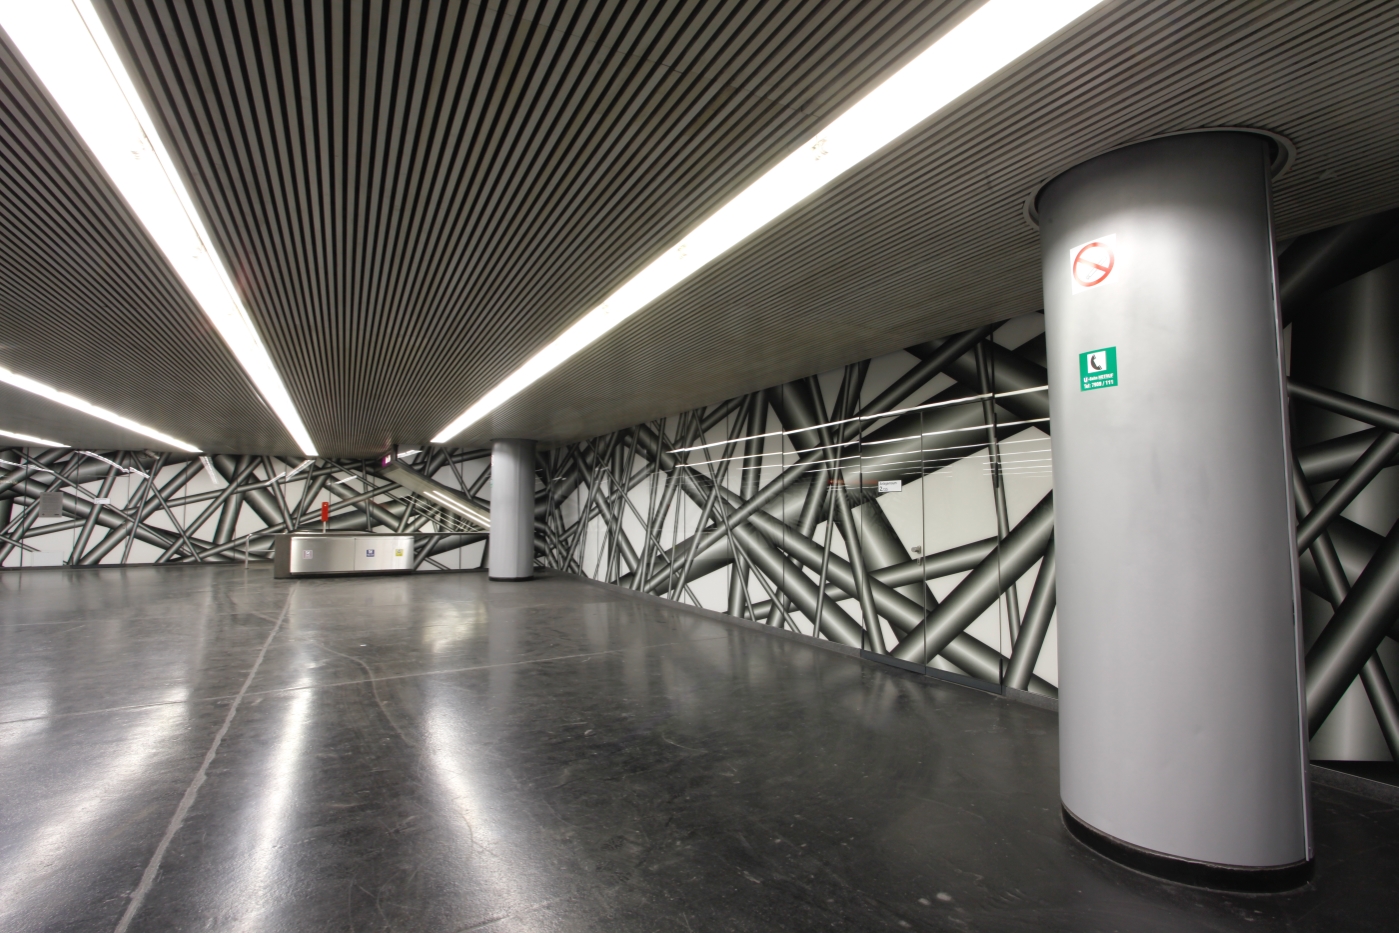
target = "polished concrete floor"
x: 207, y: 749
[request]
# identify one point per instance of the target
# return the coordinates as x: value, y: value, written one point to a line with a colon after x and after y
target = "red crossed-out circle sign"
x: 1093, y: 264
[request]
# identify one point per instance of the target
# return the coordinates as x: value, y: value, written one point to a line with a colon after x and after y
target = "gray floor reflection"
x: 445, y: 753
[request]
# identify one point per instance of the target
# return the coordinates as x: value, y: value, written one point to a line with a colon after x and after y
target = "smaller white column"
x: 512, y: 510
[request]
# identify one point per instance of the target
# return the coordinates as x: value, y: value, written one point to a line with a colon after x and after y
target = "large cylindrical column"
x: 512, y: 510
x: 1182, y: 737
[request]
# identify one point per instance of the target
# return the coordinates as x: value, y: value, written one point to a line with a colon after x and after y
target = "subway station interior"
x: 699, y: 465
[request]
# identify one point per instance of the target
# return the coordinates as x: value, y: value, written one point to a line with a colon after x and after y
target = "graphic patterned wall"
x: 79, y: 508
x: 872, y: 498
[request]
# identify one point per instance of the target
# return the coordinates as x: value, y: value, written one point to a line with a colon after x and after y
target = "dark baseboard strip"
x: 909, y: 666
x: 511, y: 579
x: 1032, y: 699
x: 1269, y: 880
x: 1353, y: 784
x: 962, y: 680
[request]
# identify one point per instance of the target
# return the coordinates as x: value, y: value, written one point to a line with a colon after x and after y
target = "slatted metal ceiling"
x: 88, y: 305
x: 414, y: 197
x: 26, y: 414
x: 929, y: 238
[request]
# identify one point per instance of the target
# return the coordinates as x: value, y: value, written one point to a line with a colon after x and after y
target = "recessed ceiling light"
x: 87, y: 408
x: 67, y: 46
x: 36, y: 441
x: 999, y: 32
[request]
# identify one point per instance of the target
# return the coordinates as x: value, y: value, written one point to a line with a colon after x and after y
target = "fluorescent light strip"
x: 963, y: 400
x: 36, y: 441
x: 864, y: 443
x: 214, y: 477
x: 87, y: 408
x: 985, y: 42
x: 303, y: 465
x: 782, y: 455
x: 452, y: 505
x: 124, y: 469
x: 857, y: 456
x: 66, y: 44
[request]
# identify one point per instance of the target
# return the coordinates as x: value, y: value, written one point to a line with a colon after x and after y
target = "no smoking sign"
x: 1093, y: 264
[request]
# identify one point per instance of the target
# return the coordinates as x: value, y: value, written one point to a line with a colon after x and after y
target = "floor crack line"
x: 148, y: 877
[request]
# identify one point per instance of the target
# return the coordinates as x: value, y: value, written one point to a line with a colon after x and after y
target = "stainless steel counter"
x: 296, y: 555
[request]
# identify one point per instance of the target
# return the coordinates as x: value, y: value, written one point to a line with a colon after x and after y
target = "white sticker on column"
x: 1092, y: 264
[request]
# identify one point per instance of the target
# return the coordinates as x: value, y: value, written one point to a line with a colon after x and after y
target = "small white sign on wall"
x: 891, y: 485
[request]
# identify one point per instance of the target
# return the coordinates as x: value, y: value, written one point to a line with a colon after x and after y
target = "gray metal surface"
x: 300, y: 555
x: 512, y: 509
x: 1179, y: 640
x: 331, y: 553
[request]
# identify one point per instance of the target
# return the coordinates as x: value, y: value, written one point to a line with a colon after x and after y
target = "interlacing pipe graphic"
x: 1337, y: 551
x: 188, y: 527
x: 831, y: 459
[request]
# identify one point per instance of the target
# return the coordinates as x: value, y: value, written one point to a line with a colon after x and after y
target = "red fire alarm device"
x: 325, y: 511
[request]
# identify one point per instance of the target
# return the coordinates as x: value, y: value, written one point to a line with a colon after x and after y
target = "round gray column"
x: 1182, y: 736
x: 512, y: 510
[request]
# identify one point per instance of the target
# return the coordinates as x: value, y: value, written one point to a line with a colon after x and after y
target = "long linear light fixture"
x: 880, y: 416
x: 999, y: 32
x: 30, y: 439
x: 67, y: 46
x: 87, y: 408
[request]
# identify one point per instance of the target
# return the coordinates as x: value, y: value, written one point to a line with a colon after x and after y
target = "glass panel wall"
x: 902, y: 501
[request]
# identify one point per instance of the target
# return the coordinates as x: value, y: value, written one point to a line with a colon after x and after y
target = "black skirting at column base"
x: 1188, y: 871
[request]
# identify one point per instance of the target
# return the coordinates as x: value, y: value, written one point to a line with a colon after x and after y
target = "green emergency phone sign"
x: 1097, y: 369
